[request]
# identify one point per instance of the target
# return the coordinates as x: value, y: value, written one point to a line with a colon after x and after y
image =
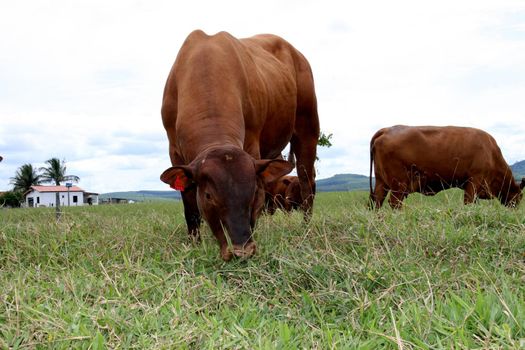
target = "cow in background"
x: 428, y: 159
x: 284, y: 194
x: 230, y: 107
x: 293, y: 194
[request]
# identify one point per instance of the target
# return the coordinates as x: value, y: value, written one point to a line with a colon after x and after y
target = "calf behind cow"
x: 428, y: 159
x: 230, y: 107
x: 284, y: 194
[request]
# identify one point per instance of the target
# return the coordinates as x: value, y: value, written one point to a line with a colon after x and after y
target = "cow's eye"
x: 208, y: 196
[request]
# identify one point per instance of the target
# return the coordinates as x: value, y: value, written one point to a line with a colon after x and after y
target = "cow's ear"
x: 272, y: 169
x: 178, y: 177
x: 522, y: 184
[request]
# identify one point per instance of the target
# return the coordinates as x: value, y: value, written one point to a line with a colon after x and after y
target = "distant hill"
x: 336, y: 183
x: 143, y: 196
x: 518, y: 169
x: 343, y: 182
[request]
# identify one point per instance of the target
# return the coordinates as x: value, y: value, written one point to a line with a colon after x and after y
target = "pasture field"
x: 434, y: 275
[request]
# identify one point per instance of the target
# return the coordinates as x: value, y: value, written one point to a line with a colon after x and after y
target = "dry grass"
x: 435, y: 275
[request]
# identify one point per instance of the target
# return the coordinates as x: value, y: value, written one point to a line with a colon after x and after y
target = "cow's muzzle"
x: 244, y: 251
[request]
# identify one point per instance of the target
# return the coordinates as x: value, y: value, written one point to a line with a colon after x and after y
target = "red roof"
x: 56, y: 189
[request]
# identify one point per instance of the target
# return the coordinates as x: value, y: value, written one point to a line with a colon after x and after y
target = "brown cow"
x: 428, y: 159
x: 293, y: 194
x: 284, y: 194
x: 230, y: 107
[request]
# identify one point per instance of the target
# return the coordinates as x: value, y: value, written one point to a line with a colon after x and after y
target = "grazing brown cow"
x: 275, y: 196
x: 428, y: 159
x: 230, y: 107
x: 284, y: 194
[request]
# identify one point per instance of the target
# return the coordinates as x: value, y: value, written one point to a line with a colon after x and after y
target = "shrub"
x: 11, y: 199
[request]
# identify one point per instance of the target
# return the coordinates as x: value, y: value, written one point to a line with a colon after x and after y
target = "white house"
x: 45, y: 196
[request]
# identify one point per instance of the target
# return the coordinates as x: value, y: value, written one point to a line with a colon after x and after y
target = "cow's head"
x: 514, y: 195
x: 276, y: 194
x: 293, y: 193
x: 230, y: 193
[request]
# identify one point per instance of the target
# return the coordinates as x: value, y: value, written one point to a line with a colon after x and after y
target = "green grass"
x: 434, y: 275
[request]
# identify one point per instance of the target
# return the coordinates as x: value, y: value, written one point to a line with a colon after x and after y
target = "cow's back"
x: 204, y: 89
x: 248, y: 86
x: 287, y: 78
x: 451, y: 152
x: 438, y: 155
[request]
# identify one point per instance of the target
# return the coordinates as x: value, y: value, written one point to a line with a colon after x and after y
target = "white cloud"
x: 83, y: 80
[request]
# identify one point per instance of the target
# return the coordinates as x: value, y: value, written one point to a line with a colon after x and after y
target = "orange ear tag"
x: 178, y: 184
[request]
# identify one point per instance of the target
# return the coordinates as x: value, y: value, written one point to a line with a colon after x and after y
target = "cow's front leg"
x: 396, y: 199
x: 191, y: 213
x: 470, y: 195
x: 377, y: 197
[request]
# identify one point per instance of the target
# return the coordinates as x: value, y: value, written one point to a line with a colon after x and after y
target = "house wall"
x: 48, y: 199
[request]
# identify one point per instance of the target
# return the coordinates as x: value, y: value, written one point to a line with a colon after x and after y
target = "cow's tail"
x: 371, y: 164
x: 372, y: 151
x: 372, y: 194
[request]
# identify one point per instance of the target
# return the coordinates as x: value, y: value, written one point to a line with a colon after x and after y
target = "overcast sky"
x: 83, y: 80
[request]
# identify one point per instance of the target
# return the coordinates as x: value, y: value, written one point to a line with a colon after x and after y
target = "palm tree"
x: 56, y: 172
x: 25, y: 177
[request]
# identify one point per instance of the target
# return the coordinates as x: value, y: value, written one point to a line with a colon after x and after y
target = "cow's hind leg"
x: 305, y: 136
x: 191, y: 213
x: 305, y: 152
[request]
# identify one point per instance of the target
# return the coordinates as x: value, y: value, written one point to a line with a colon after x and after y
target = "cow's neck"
x: 199, y: 140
